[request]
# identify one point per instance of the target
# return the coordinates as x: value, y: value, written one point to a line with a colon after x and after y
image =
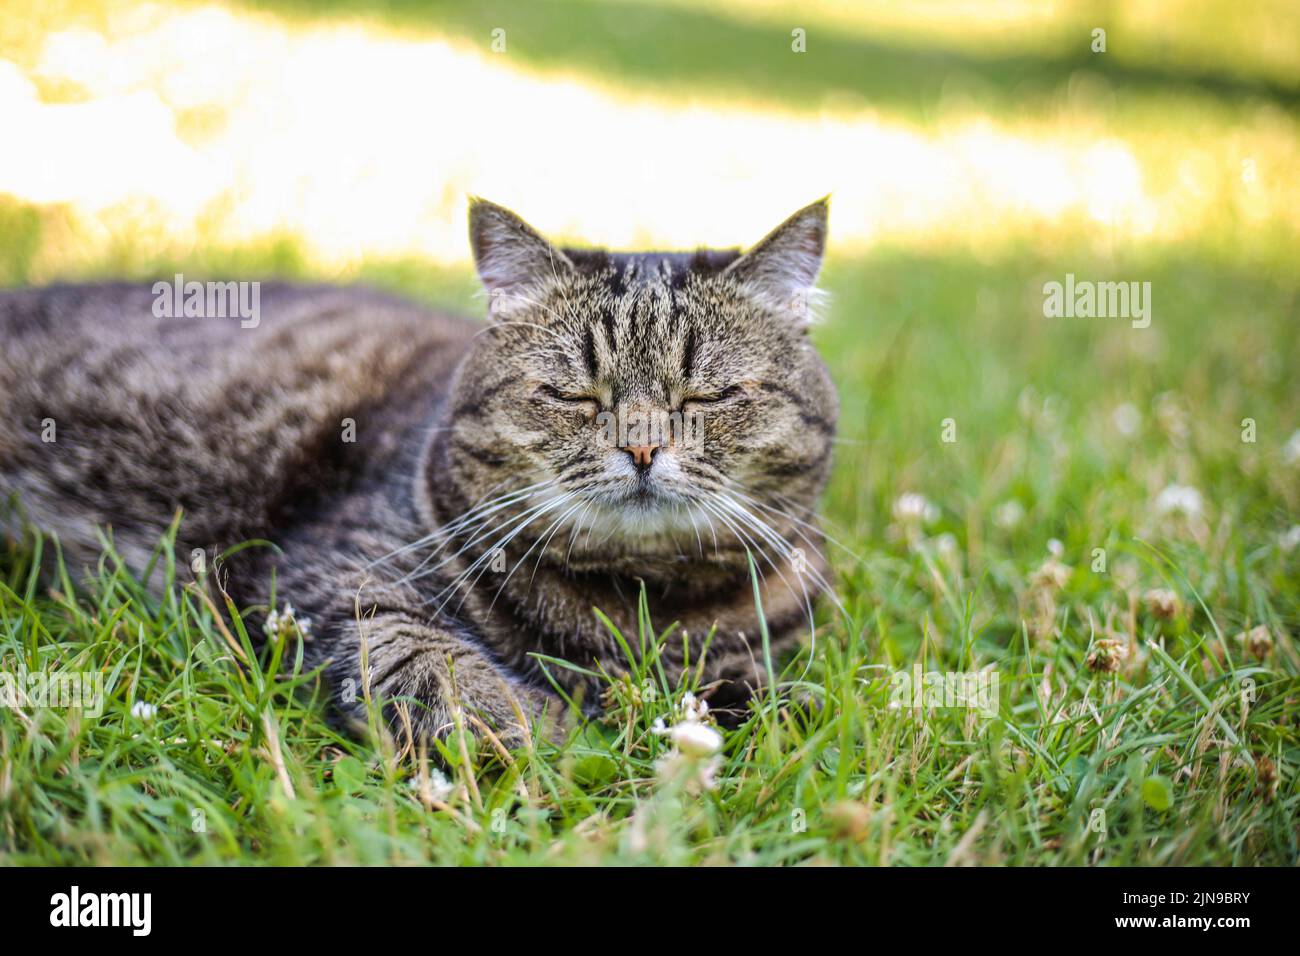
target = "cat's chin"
x: 645, y: 518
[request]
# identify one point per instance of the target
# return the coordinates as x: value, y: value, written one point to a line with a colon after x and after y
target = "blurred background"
x: 973, y: 150
x: 343, y: 132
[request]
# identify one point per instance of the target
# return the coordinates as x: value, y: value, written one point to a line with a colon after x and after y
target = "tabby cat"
x: 448, y: 500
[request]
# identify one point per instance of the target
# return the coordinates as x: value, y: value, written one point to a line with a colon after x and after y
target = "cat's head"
x: 646, y: 396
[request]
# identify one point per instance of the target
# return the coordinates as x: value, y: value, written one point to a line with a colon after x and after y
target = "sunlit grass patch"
x: 242, y: 145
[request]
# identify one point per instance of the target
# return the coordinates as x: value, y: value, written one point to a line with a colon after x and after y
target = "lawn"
x: 1101, y: 517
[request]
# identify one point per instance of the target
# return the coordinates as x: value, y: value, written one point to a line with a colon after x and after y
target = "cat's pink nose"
x: 642, y: 455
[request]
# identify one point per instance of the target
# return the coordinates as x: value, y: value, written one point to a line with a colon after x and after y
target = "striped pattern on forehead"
x: 632, y: 284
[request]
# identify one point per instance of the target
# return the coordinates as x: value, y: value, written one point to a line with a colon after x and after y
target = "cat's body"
x: 390, y: 453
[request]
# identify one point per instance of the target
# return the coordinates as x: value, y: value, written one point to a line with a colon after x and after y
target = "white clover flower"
x: 287, y: 623
x: 695, y: 739
x: 1127, y: 420
x: 706, y: 773
x: 694, y: 759
x: 1289, y: 538
x: 690, y: 734
x: 1107, y: 656
x: 1055, y: 548
x: 695, y: 774
x: 1257, y: 642
x: 1051, y: 576
x: 1291, y: 450
x: 1162, y: 602
x: 914, y: 508
x: 1009, y: 514
x: 437, y: 788
x: 144, y: 712
x: 1181, y: 500
x: 440, y: 787
x: 693, y: 709
x: 1172, y: 415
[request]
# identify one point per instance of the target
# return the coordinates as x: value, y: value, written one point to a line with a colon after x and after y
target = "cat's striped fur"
x: 468, y: 439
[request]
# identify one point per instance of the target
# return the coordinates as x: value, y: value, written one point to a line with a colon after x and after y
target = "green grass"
x: 1183, y: 769
x: 829, y: 772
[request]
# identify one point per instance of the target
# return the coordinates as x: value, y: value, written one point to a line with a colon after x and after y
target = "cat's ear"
x: 510, y: 254
x: 781, y: 270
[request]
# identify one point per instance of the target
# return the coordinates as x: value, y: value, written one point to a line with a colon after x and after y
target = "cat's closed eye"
x: 550, y: 393
x: 716, y: 398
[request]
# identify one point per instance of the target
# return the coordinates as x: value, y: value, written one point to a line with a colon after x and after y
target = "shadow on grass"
x: 678, y: 49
